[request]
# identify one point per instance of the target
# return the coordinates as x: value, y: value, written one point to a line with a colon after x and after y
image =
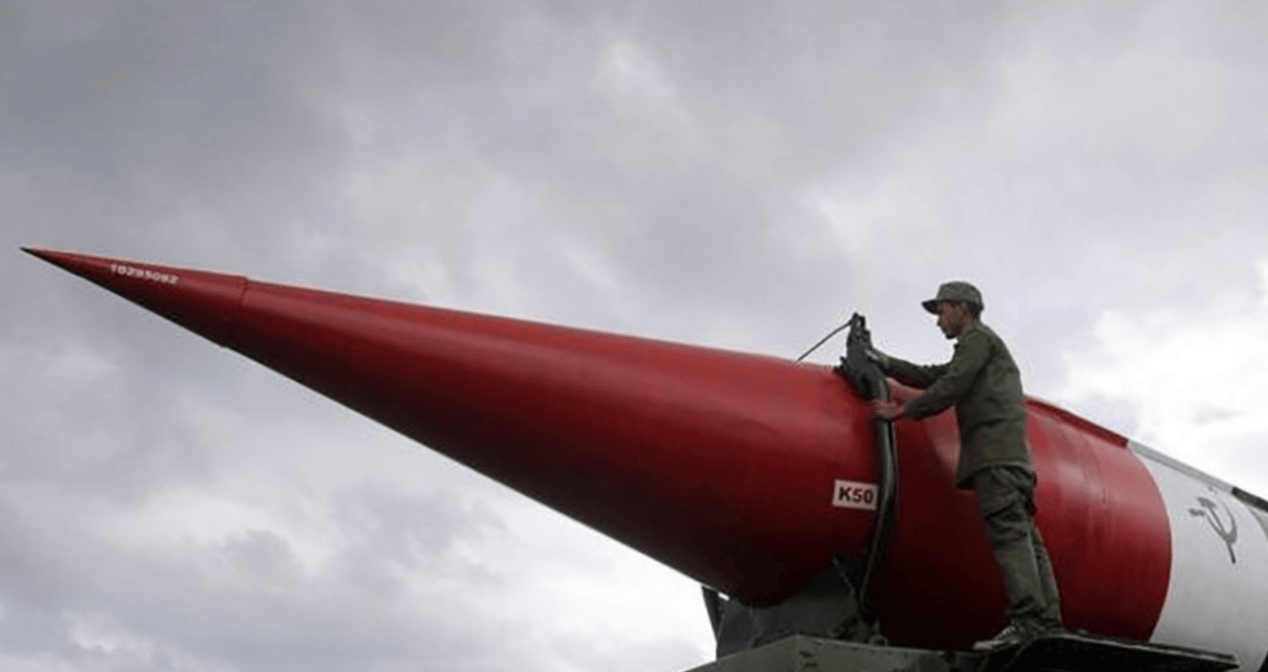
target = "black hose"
x: 869, y: 382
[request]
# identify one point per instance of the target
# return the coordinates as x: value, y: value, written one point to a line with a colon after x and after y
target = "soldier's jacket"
x: 984, y: 384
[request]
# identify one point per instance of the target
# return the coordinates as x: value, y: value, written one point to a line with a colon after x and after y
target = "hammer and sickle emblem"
x: 1228, y: 534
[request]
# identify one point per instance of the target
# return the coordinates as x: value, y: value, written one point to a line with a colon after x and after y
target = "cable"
x: 825, y: 339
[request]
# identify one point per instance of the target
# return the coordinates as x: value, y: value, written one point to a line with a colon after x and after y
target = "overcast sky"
x: 731, y: 173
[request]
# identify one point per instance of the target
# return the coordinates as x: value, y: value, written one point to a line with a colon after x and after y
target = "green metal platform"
x: 1066, y: 652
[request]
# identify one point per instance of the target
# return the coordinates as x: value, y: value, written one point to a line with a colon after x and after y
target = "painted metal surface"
x: 1099, y: 512
x: 726, y: 465
x: 1217, y: 597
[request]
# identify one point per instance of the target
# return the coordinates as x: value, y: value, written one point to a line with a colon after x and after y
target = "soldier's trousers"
x: 1006, y: 503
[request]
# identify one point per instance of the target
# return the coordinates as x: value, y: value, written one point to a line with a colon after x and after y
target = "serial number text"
x: 144, y: 274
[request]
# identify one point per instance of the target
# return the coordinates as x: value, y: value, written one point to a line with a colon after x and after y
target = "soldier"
x: 984, y: 384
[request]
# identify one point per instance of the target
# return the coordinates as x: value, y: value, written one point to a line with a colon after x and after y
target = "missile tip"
x: 85, y: 266
x: 64, y: 260
x: 37, y: 252
x: 55, y: 258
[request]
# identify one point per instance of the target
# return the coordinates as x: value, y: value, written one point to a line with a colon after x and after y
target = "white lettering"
x: 144, y: 274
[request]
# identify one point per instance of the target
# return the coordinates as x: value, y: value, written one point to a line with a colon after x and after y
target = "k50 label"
x: 853, y: 495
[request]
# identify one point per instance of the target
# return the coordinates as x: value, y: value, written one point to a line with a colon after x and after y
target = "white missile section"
x: 1217, y: 599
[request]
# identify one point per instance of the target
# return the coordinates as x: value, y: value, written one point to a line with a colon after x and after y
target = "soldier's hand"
x: 887, y: 410
x: 876, y: 355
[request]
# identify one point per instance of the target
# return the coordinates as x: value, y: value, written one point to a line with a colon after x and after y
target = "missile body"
x: 746, y: 472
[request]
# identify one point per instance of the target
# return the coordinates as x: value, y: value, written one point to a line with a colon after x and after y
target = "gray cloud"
x: 741, y: 175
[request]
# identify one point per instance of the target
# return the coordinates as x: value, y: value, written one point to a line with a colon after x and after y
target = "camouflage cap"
x: 956, y: 290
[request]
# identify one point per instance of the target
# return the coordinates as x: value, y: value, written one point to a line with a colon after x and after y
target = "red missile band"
x: 1099, y: 511
x: 733, y: 468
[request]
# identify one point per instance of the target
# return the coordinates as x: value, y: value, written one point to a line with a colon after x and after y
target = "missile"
x: 746, y: 472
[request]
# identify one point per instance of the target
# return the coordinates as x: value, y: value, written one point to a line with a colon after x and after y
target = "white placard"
x: 854, y: 495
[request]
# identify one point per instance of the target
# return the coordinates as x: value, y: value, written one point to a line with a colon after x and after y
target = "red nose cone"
x: 719, y: 464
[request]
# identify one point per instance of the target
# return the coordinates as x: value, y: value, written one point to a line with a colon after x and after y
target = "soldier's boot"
x: 1015, y: 633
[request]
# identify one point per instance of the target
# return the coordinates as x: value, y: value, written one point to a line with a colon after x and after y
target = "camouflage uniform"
x: 984, y: 384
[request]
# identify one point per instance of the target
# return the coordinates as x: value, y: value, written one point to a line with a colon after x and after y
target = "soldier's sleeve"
x: 971, y: 354
x: 913, y: 375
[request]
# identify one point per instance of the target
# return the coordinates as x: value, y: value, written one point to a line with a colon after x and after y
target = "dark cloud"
x: 248, y: 600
